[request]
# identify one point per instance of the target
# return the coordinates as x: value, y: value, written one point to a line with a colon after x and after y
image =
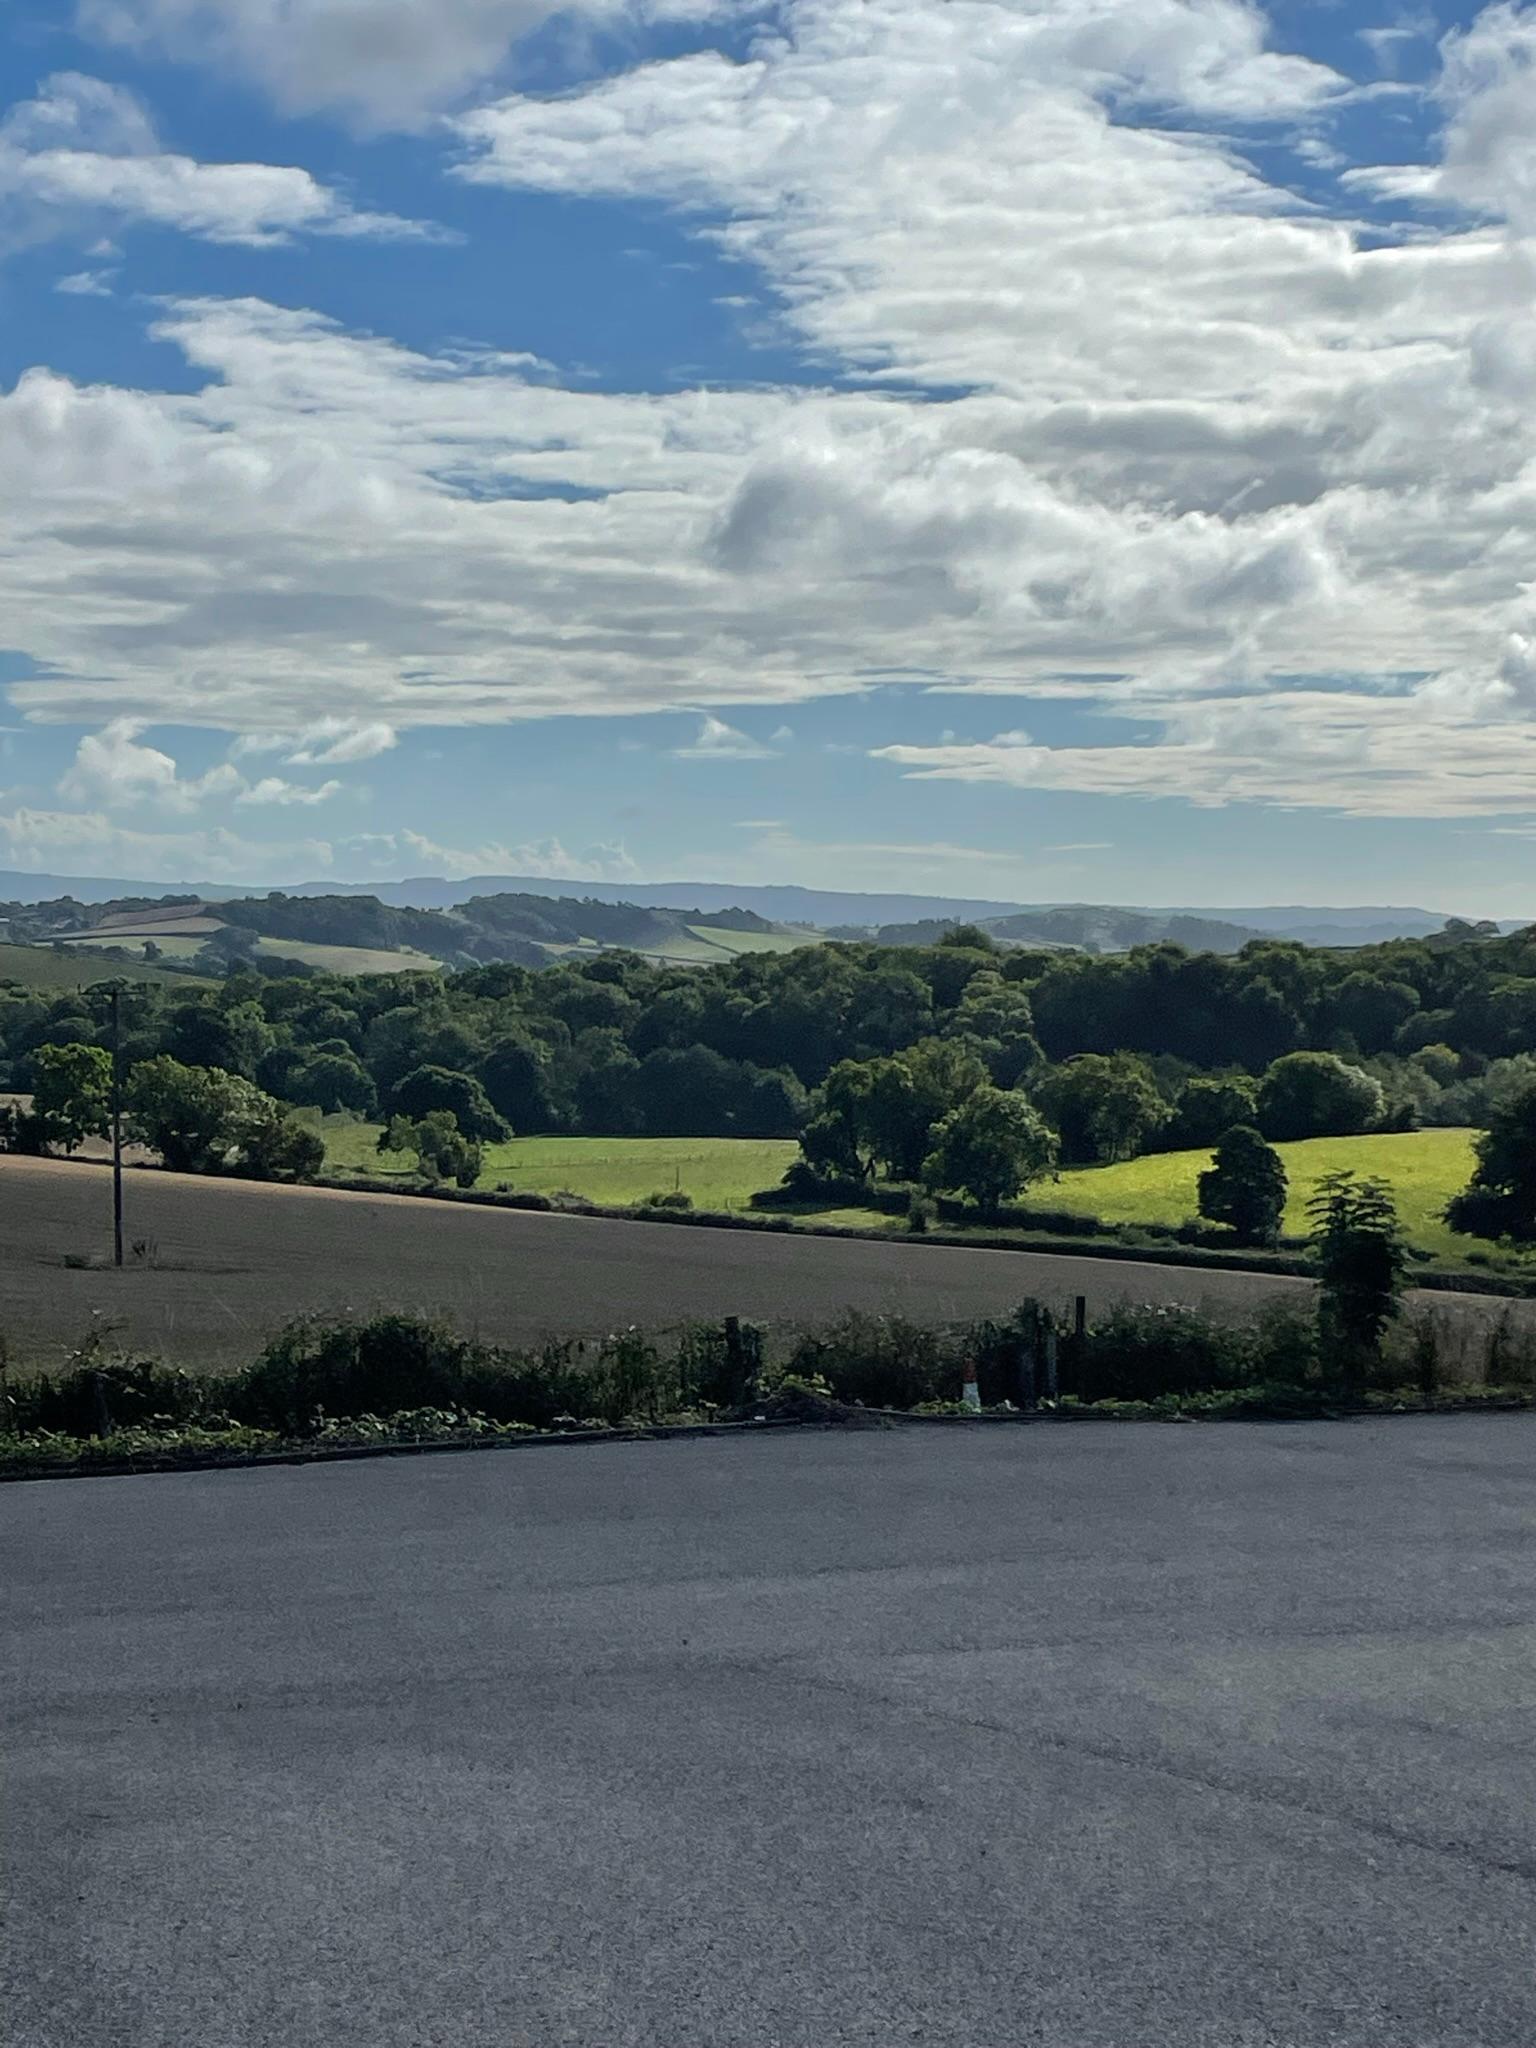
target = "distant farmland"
x: 719, y: 1173
x: 50, y: 972
x: 1422, y: 1168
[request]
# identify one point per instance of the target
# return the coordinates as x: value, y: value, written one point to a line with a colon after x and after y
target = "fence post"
x: 103, y: 1412
x: 736, y: 1357
x: 1025, y: 1369
x: 1052, y: 1373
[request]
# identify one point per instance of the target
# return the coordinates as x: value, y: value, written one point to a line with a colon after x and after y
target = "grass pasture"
x: 719, y: 1173
x: 51, y: 973
x: 350, y: 959
x: 1423, y: 1169
x: 173, y: 945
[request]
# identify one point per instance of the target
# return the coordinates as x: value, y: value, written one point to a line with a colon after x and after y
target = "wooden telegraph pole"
x: 117, y: 1123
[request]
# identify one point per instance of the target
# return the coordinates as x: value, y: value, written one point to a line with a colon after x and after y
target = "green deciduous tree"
x: 1500, y: 1198
x: 198, y: 1118
x: 1207, y: 1108
x: 1245, y: 1186
x: 441, y: 1149
x: 331, y: 1081
x: 990, y: 1147
x: 71, y: 1094
x: 1360, y: 1259
x: 1317, y: 1095
x: 428, y: 1088
x: 1105, y: 1107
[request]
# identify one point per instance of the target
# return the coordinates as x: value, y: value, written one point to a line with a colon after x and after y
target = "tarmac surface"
x: 221, y: 1264
x: 1085, y: 1736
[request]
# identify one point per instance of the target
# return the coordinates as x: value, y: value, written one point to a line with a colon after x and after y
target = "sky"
x: 1032, y: 449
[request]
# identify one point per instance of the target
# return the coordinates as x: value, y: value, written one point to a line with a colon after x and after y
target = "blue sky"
x: 1026, y: 448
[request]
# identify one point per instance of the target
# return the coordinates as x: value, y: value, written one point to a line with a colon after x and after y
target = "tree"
x: 236, y: 1039
x: 1316, y: 1095
x: 442, y: 1151
x: 515, y: 1077
x: 232, y: 944
x: 1500, y: 1198
x: 995, y: 1020
x: 1205, y: 1109
x: 881, y: 1113
x: 331, y: 1081
x: 1245, y: 1187
x: 1103, y: 1106
x: 1361, y: 1259
x: 278, y: 1147
x: 427, y: 1088
x: 71, y: 1094
x: 991, y: 1147
x: 194, y: 1117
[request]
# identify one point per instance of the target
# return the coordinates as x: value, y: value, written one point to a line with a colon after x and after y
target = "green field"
x: 719, y: 940
x: 1423, y: 1168
x: 41, y: 968
x: 719, y: 1173
x: 350, y: 959
x: 174, y: 945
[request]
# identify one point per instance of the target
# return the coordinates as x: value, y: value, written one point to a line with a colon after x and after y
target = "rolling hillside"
x: 346, y: 934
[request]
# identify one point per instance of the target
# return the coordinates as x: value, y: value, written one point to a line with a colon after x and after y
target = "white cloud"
x: 328, y: 743
x: 1395, y: 753
x: 86, y: 284
x: 1489, y: 91
x: 272, y: 789
x: 545, y: 858
x: 717, y: 741
x: 1177, y: 441
x: 383, y: 63
x: 83, y: 149
x: 83, y: 841
x: 113, y: 770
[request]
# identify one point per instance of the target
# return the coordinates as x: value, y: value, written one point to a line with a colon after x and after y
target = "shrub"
x: 632, y: 1382
x: 881, y: 1361
x: 668, y: 1198
x: 1137, y: 1354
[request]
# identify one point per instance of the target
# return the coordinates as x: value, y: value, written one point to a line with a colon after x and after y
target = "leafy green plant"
x: 1361, y: 1260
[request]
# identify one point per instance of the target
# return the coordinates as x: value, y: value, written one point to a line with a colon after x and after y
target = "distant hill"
x: 847, y: 913
x: 1088, y: 929
x: 349, y: 934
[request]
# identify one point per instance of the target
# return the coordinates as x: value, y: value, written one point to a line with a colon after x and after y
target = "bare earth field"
x: 228, y: 1262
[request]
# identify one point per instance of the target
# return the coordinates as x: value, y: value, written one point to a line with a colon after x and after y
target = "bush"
x: 881, y: 1361
x: 123, y: 1393
x: 668, y: 1198
x: 1137, y: 1354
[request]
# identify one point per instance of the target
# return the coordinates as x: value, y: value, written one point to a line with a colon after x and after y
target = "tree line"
x: 881, y: 1060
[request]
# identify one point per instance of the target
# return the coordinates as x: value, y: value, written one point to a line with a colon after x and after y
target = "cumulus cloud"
x: 114, y: 770
x: 382, y: 63
x: 272, y: 789
x: 84, y: 150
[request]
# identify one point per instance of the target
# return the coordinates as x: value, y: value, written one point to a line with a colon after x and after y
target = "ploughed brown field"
x: 216, y: 1266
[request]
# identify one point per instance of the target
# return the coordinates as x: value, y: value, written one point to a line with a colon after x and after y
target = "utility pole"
x: 117, y: 1124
